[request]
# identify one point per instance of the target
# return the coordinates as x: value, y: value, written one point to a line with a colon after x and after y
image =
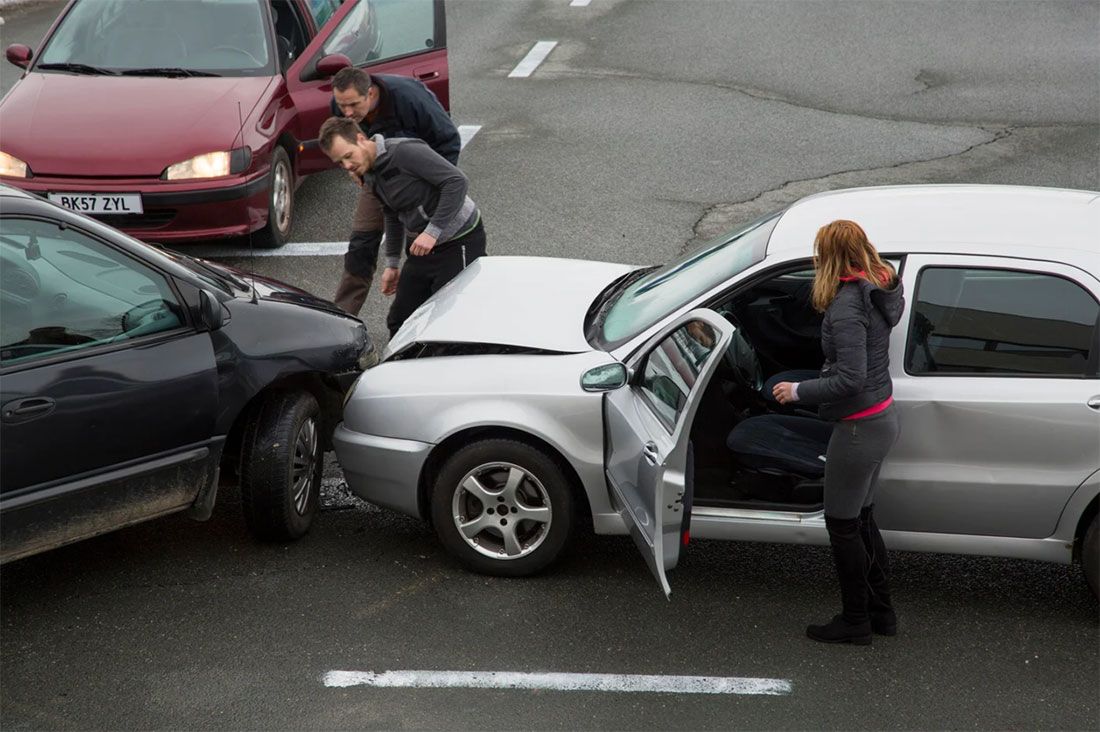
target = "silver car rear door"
x: 648, y: 425
x: 994, y: 387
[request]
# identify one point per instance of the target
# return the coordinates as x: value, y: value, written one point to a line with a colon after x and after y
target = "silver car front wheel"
x: 502, y: 511
x: 502, y: 507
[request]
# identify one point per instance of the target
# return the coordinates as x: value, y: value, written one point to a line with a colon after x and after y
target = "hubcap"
x: 304, y: 465
x: 501, y: 511
x: 280, y: 197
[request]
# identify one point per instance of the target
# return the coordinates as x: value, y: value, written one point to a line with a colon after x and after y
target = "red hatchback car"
x: 181, y: 121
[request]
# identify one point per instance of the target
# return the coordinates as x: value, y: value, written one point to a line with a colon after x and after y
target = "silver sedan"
x: 533, y: 393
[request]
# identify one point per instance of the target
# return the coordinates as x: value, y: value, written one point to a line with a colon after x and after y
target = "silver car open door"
x: 648, y: 426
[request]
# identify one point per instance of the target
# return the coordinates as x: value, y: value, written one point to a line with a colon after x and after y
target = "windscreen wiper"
x: 220, y: 274
x: 167, y: 71
x: 596, y: 311
x: 77, y: 69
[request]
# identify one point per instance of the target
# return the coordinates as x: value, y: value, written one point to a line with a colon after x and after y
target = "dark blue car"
x: 133, y: 379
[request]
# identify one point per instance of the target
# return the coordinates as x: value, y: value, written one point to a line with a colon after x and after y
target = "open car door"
x: 407, y: 38
x: 648, y: 424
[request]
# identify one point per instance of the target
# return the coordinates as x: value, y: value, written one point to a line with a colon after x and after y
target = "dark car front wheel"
x: 280, y: 202
x: 502, y: 507
x: 281, y: 464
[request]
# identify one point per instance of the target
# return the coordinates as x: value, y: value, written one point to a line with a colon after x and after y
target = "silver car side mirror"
x: 605, y: 378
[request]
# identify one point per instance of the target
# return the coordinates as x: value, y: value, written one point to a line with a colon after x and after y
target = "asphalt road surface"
x: 649, y: 126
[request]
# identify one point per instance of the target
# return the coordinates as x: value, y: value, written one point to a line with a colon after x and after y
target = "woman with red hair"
x: 861, y: 297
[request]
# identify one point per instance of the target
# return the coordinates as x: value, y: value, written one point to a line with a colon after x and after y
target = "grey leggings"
x: 852, y: 462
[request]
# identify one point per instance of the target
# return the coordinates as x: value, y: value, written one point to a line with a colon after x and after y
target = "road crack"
x: 722, y: 217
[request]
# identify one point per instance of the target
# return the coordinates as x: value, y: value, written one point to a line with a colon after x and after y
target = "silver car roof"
x: 1008, y: 221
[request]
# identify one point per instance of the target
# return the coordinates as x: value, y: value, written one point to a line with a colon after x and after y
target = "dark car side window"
x: 63, y: 291
x: 995, y: 321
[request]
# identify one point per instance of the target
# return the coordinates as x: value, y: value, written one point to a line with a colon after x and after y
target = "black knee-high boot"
x: 853, y: 624
x: 884, y: 620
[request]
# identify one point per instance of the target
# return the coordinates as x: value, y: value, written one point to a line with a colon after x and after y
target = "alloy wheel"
x: 280, y: 197
x: 304, y: 465
x: 502, y: 511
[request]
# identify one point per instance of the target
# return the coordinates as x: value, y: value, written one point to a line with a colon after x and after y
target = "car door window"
x: 672, y: 368
x: 63, y: 291
x: 995, y: 321
x: 291, y: 34
x: 380, y: 30
x: 322, y: 10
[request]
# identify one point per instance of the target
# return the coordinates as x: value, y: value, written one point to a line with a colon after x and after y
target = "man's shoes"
x: 840, y: 630
x: 884, y: 622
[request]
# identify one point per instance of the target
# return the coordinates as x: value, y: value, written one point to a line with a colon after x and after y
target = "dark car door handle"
x: 424, y: 76
x: 22, y: 409
x: 649, y: 452
x: 1094, y: 402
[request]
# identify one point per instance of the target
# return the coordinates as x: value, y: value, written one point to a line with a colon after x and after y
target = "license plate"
x: 100, y: 203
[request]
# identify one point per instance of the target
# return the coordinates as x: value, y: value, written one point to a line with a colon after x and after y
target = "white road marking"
x: 579, y: 3
x: 292, y: 249
x: 531, y: 61
x: 467, y: 132
x: 560, y: 682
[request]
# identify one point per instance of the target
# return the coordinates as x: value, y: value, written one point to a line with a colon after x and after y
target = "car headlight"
x: 368, y: 358
x: 13, y: 167
x: 210, y: 165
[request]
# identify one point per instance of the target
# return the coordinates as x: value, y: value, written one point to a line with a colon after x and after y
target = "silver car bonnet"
x: 532, y: 302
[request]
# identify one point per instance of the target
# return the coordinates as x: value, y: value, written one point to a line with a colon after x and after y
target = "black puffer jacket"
x: 855, y: 337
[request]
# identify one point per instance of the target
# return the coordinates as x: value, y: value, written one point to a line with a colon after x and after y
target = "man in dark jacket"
x: 391, y: 106
x: 424, y: 205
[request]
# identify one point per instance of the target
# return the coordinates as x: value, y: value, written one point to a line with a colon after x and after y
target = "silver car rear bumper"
x: 382, y: 470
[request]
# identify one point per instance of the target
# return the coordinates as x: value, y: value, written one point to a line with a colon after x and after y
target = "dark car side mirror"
x: 329, y: 65
x: 19, y: 54
x: 210, y: 310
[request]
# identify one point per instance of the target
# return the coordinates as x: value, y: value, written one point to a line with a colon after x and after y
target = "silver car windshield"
x: 652, y: 297
x: 155, y: 38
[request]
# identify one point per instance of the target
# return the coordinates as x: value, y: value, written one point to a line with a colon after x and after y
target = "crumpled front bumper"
x: 382, y: 470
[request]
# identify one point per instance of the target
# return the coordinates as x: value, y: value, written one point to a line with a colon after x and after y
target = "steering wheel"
x: 147, y: 312
x: 742, y: 360
x: 241, y: 51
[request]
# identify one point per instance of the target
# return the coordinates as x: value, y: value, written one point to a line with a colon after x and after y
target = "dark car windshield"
x: 650, y: 298
x: 161, y: 38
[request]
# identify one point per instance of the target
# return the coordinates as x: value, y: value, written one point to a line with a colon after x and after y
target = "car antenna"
x: 251, y: 252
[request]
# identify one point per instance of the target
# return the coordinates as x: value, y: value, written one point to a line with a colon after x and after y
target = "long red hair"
x: 842, y: 250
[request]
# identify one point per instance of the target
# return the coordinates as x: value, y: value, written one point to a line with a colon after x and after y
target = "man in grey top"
x: 424, y: 204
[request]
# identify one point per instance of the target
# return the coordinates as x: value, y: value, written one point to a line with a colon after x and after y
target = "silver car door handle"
x: 649, y: 451
x: 1094, y: 402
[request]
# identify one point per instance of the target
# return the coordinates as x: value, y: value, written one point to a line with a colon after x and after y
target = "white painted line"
x: 579, y: 3
x: 467, y: 132
x: 532, y: 60
x: 292, y: 249
x: 559, y: 682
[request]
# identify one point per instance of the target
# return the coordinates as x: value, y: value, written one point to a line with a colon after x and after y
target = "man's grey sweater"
x: 420, y: 193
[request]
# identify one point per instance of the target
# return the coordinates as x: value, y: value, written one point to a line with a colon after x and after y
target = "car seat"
x: 787, y: 447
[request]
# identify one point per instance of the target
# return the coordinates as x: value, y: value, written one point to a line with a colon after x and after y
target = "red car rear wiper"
x: 77, y: 68
x: 166, y: 71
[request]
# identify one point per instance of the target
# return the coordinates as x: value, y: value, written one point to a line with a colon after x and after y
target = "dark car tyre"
x: 281, y: 464
x: 502, y: 507
x: 1090, y: 556
x: 280, y: 202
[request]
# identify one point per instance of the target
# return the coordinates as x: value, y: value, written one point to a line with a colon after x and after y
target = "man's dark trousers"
x: 421, y: 277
